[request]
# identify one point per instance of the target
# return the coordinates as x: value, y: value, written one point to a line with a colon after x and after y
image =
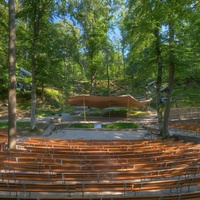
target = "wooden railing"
x: 185, y: 113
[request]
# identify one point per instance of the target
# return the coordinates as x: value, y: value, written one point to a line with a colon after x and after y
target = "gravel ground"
x: 99, y: 134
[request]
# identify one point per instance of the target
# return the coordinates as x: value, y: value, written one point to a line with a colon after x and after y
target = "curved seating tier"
x: 91, y: 169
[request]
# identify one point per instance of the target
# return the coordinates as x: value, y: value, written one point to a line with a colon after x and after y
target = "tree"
x: 176, y: 20
x: 50, y: 43
x: 107, y: 57
x: 35, y: 14
x: 159, y: 78
x: 93, y: 18
x: 157, y: 33
x: 4, y: 50
x: 165, y: 133
x: 12, y: 79
x: 172, y: 16
x: 143, y: 24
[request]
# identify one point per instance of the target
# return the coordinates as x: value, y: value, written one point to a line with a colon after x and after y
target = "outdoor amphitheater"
x: 100, y: 165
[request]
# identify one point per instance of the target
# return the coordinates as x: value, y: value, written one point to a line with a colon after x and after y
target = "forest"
x: 145, y: 48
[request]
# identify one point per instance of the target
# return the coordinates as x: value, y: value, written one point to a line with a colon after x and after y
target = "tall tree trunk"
x: 92, y: 83
x: 33, y: 94
x: 43, y: 96
x: 108, y: 75
x: 36, y: 30
x: 124, y: 64
x: 159, y: 81
x: 92, y: 79
x: 12, y: 79
x: 171, y: 81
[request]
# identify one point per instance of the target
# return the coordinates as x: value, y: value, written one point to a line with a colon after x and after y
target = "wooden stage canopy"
x: 106, y: 101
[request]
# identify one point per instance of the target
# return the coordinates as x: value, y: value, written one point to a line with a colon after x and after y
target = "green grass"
x: 24, y: 106
x: 120, y: 125
x: 21, y: 125
x: 80, y: 125
x: 3, y: 125
x: 137, y: 113
x: 44, y: 113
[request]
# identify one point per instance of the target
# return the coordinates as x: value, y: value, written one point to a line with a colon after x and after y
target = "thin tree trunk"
x: 91, y: 84
x: 108, y: 75
x: 92, y: 81
x: 12, y: 79
x: 33, y: 94
x: 43, y: 96
x: 171, y: 81
x: 159, y: 82
x: 124, y: 65
x: 36, y: 30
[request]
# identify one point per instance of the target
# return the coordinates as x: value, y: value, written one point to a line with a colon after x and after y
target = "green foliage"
x: 123, y: 112
x: 3, y: 50
x: 54, y: 99
x: 93, y: 112
x: 52, y: 92
x: 93, y: 18
x: 77, y: 50
x: 186, y: 96
x: 24, y: 105
x: 114, y: 112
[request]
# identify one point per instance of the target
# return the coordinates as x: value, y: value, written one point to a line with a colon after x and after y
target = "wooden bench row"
x: 97, y: 164
x: 82, y: 143
x: 99, y: 177
x: 129, y: 159
x: 118, y: 152
x: 83, y: 188
x: 187, y: 196
x: 55, y: 167
x: 96, y: 144
x: 82, y: 177
x: 134, y: 148
x: 37, y: 141
x: 59, y: 153
x: 62, y: 157
x: 184, y: 196
x: 157, y: 147
x: 146, y: 151
x: 97, y: 157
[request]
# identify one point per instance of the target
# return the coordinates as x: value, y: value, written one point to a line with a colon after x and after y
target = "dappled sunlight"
x: 102, y: 162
